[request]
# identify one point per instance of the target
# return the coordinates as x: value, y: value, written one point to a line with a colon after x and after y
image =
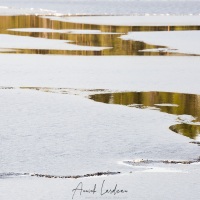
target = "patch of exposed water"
x: 168, y: 102
x: 185, y: 106
x: 85, y: 35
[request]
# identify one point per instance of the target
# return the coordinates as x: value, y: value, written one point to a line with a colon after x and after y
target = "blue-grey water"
x: 110, y: 7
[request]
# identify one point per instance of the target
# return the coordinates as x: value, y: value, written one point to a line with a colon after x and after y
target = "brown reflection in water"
x: 168, y: 102
x: 189, y: 130
x: 111, y: 39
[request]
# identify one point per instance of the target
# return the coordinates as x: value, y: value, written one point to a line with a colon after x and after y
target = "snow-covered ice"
x: 176, y: 41
x: 133, y: 20
x: 140, y: 186
x: 21, y: 42
x: 123, y: 73
x: 54, y: 133
x: 102, y: 135
x: 50, y: 133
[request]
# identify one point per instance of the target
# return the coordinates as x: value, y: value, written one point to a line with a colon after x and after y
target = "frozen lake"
x: 98, y: 101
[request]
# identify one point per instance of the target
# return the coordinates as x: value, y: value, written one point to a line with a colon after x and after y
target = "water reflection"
x: 168, y: 102
x: 189, y: 130
x: 110, y: 39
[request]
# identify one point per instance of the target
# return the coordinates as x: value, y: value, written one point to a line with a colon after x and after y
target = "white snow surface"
x: 124, y: 73
x: 176, y: 41
x: 140, y: 186
x: 63, y: 134
x: 133, y: 20
x: 22, y: 42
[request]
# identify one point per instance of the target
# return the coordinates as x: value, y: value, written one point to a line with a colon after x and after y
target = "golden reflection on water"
x: 189, y: 130
x: 168, y: 102
x: 110, y: 39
